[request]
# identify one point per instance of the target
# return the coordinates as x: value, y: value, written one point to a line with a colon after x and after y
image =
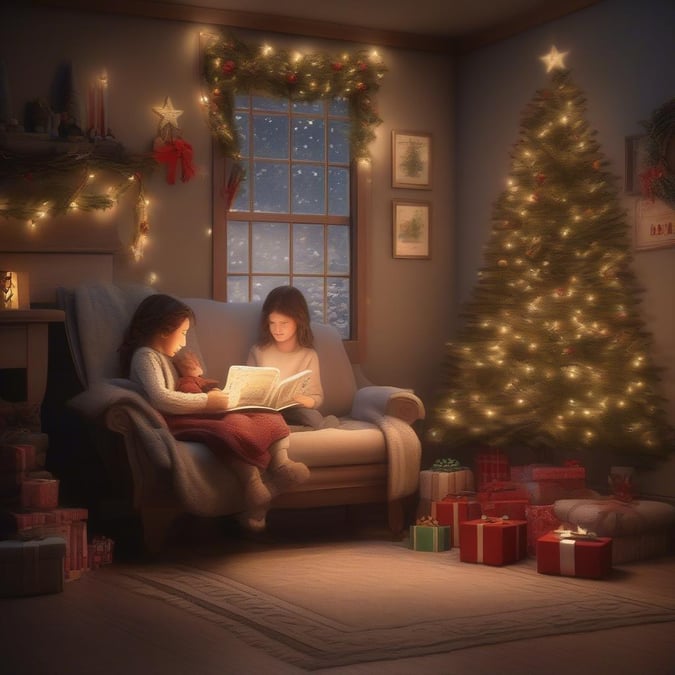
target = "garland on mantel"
x: 234, y: 67
x: 54, y: 183
x: 658, y: 180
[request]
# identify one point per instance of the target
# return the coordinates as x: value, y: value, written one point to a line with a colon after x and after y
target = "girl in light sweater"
x: 251, y: 443
x: 286, y: 342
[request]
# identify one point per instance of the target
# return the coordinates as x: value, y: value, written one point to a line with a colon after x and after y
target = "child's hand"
x: 216, y: 401
x: 305, y: 401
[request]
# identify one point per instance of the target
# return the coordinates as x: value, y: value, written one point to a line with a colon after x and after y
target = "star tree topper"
x: 168, y: 114
x: 554, y: 59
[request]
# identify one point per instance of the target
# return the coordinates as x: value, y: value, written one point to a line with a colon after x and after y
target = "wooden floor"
x: 95, y: 628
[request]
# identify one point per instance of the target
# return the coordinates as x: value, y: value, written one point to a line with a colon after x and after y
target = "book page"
x: 288, y: 389
x: 250, y: 385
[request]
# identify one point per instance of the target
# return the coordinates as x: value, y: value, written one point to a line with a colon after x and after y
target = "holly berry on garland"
x: 169, y: 148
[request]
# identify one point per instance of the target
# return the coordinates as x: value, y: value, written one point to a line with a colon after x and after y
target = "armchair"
x: 372, y: 457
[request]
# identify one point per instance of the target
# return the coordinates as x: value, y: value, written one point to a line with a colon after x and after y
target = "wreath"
x: 658, y: 179
x: 234, y: 67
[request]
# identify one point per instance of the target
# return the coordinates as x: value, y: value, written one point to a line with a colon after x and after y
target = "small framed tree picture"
x: 13, y: 290
x: 411, y: 229
x: 411, y: 160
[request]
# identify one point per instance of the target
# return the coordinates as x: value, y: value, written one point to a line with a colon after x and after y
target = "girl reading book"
x: 286, y: 342
x: 253, y: 444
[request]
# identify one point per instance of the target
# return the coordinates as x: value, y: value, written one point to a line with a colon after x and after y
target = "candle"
x: 104, y: 104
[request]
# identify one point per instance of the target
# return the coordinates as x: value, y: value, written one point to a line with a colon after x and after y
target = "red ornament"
x: 362, y: 65
x: 540, y: 178
x: 291, y: 78
x: 596, y: 164
x: 361, y: 86
x: 229, y: 67
x: 337, y: 66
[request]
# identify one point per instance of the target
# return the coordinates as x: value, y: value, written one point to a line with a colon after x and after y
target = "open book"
x: 260, y: 387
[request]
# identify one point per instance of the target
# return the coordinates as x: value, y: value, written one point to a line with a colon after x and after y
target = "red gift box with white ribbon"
x: 453, y: 511
x: 493, y: 541
x: 589, y: 558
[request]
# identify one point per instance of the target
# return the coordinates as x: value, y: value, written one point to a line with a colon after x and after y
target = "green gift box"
x: 430, y: 537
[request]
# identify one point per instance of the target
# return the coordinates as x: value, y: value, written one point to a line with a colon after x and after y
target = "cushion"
x: 609, y: 517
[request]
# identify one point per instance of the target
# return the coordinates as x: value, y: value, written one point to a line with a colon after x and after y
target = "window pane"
x: 242, y: 101
x: 270, y: 103
x: 339, y: 106
x: 338, y: 192
x: 308, y: 138
x: 338, y: 310
x: 270, y: 187
x: 308, y: 188
x: 241, y: 121
x: 338, y: 249
x: 237, y: 289
x: 308, y: 249
x: 263, y: 285
x: 270, y: 248
x: 241, y: 201
x: 338, y: 142
x: 270, y: 136
x: 308, y: 107
x: 237, y: 247
x: 312, y: 289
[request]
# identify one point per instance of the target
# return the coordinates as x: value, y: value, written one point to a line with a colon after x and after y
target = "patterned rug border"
x: 313, y: 641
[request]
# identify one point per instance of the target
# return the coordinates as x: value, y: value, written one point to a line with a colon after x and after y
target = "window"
x: 290, y: 221
x: 300, y: 124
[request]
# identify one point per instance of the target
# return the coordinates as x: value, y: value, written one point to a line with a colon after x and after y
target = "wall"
x: 147, y: 60
x: 621, y: 54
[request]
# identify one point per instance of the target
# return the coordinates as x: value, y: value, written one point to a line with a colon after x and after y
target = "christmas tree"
x: 553, y: 353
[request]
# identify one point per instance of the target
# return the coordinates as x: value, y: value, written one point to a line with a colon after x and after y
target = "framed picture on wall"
x: 411, y: 160
x: 411, y: 229
x: 636, y: 161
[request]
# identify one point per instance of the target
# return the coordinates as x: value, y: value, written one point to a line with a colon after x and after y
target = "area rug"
x: 351, y: 602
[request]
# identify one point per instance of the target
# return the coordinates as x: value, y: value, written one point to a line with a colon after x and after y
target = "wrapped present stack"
x: 445, y: 477
x: 31, y: 497
x: 544, y: 484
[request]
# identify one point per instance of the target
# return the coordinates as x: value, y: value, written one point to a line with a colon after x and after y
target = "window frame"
x: 360, y: 182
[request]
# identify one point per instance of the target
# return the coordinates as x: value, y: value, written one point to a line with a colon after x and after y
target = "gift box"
x: 40, y: 493
x: 100, y: 551
x: 589, y: 558
x: 541, y: 518
x: 17, y: 458
x: 549, y: 491
x: 501, y: 489
x: 430, y: 538
x: 533, y: 472
x: 437, y: 484
x: 491, y: 541
x: 491, y: 466
x: 515, y: 509
x: 455, y: 510
x: 31, y: 567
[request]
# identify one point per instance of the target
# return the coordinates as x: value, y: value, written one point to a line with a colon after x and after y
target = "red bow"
x: 170, y: 153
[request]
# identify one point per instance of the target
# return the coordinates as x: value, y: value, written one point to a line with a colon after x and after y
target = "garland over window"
x: 233, y: 67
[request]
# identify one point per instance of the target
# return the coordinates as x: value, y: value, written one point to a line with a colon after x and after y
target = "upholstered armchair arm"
x: 373, y: 401
x: 121, y: 408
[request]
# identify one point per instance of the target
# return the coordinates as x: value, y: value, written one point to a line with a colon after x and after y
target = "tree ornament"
x: 169, y: 148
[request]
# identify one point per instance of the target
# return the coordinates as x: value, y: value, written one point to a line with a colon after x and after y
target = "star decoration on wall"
x: 168, y: 114
x: 554, y: 59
